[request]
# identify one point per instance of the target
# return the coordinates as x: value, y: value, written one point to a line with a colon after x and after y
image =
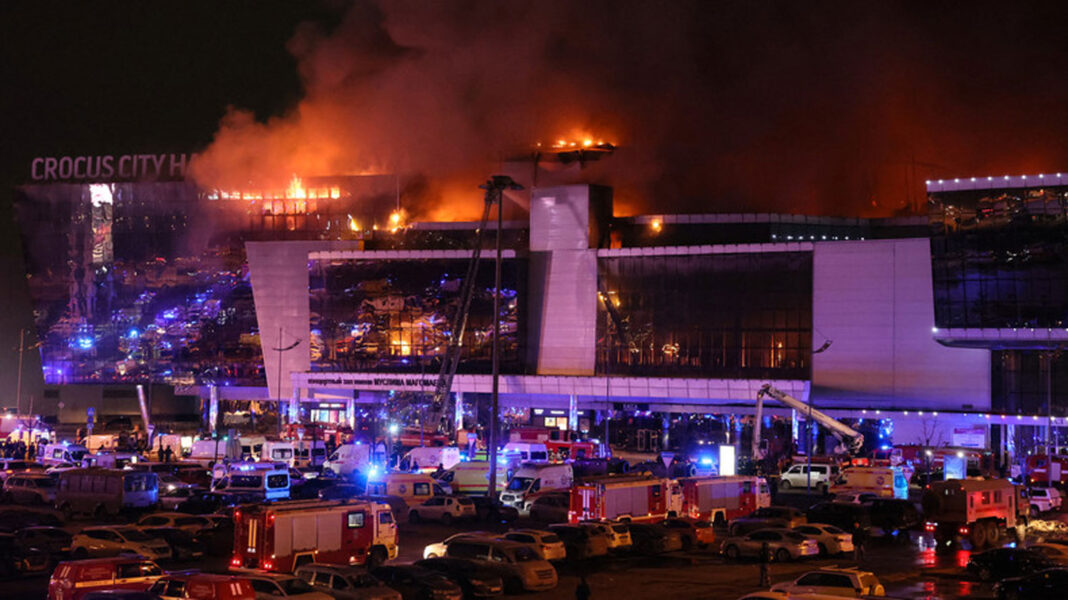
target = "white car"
x: 849, y: 583
x: 189, y: 523
x: 437, y: 549
x: 445, y: 509
x: 169, y: 483
x: 270, y: 587
x: 548, y: 545
x: 831, y: 539
x: 797, y: 476
x: 113, y: 541
x: 1044, y: 499
x: 618, y: 534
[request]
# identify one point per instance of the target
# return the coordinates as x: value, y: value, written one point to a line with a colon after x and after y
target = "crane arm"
x: 850, y: 437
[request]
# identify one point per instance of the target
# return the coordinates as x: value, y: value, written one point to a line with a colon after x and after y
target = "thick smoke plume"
x: 819, y: 108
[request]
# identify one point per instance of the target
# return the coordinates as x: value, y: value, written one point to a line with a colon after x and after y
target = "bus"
x: 102, y: 492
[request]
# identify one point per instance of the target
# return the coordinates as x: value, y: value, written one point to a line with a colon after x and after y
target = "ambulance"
x: 884, y: 482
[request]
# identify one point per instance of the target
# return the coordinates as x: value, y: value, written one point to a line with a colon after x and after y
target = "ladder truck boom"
x: 850, y: 439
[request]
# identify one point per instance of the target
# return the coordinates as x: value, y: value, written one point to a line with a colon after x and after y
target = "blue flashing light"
x: 84, y: 342
x: 133, y: 333
x: 706, y: 460
x: 884, y: 447
x: 373, y: 472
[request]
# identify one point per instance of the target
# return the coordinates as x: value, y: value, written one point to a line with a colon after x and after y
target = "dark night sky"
x: 816, y: 107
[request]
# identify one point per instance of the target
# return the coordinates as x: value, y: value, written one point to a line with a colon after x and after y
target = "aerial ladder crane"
x: 849, y: 440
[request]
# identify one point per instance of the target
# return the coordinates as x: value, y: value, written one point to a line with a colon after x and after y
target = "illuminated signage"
x: 109, y: 167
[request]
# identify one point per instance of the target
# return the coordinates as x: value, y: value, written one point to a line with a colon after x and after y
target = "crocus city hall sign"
x: 109, y: 167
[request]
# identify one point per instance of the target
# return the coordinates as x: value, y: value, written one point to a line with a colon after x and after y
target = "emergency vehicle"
x: 620, y: 497
x: 472, y: 477
x: 884, y: 482
x: 282, y: 536
x: 560, y: 443
x: 73, y: 579
x: 269, y: 481
x: 979, y: 510
x: 1042, y: 468
x: 723, y: 499
x: 427, y: 459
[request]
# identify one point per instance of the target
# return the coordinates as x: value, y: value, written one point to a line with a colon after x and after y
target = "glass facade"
x: 1022, y: 382
x: 999, y: 257
x: 396, y: 315
x: 710, y: 315
x: 147, y: 281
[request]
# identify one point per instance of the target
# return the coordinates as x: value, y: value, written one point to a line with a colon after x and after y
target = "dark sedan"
x: 339, y: 491
x: 654, y: 539
x: 474, y: 578
x: 840, y: 514
x: 184, y: 546
x: 417, y: 583
x: 1050, y: 583
x: 53, y: 540
x: 491, y: 509
x: 1001, y: 563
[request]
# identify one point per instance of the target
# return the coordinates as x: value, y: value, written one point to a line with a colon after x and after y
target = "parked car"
x: 120, y: 595
x: 171, y: 499
x: 785, y: 545
x: 477, y: 580
x: 417, y: 583
x: 187, y: 522
x: 830, y: 539
x: 617, y: 533
x: 202, y: 586
x: 112, y: 541
x: 13, y: 519
x: 552, y: 508
x: 854, y: 497
x: 768, y: 516
x: 654, y: 539
x: 547, y: 544
x: 345, y: 582
x: 270, y: 586
x: 1048, y: 583
x: 72, y: 580
x: 693, y: 531
x: 521, y: 566
x: 30, y: 488
x: 184, y: 546
x: 11, y: 466
x: 169, y: 483
x: 308, y: 489
x: 438, y: 549
x: 212, y: 502
x: 336, y: 490
x: 893, y: 515
x: 1043, y: 499
x: 445, y: 509
x: 1056, y: 552
x: 581, y: 542
x: 492, y: 510
x: 17, y: 559
x: 840, y: 514
x: 797, y: 476
x: 851, y: 583
x: 53, y: 540
x: 1002, y: 563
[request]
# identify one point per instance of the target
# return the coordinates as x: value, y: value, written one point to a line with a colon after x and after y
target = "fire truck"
x: 621, y: 497
x: 722, y: 499
x: 560, y: 443
x: 282, y: 536
x: 979, y: 510
x: 1041, y: 468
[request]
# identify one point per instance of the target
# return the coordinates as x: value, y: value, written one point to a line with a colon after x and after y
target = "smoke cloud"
x: 818, y: 108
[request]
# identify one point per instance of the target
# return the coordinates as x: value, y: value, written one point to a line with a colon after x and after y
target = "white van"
x: 251, y: 446
x: 349, y: 458
x: 208, y: 452
x: 101, y: 441
x: 526, y: 452
x: 275, y: 451
x: 884, y: 482
x: 57, y: 454
x: 473, y: 477
x: 426, y: 459
x: 309, y: 453
x: 267, y: 480
x: 530, y: 479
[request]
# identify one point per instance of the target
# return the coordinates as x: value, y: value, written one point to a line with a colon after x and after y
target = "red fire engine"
x: 285, y: 535
x: 980, y: 510
x: 620, y: 497
x: 723, y: 498
x: 1042, y: 468
x: 560, y: 443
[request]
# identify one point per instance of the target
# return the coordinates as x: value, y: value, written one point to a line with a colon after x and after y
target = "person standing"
x: 860, y: 536
x: 168, y: 454
x: 765, y: 560
x: 582, y: 590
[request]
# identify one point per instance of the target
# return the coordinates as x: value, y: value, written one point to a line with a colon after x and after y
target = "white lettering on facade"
x: 108, y: 166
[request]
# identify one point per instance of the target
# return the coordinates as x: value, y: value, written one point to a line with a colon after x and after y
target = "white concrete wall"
x: 562, y: 331
x: 874, y: 300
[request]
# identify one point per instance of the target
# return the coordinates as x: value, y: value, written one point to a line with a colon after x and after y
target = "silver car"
x: 783, y: 544
x: 345, y: 582
x: 831, y: 539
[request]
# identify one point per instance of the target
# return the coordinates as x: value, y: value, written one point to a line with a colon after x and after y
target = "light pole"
x: 495, y: 193
x: 280, y: 349
x: 18, y: 379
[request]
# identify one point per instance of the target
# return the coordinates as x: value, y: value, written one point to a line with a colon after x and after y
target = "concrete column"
x: 458, y: 412
x: 665, y: 425
x: 350, y: 412
x: 572, y: 413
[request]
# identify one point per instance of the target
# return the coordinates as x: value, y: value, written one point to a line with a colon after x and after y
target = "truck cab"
x: 530, y: 479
